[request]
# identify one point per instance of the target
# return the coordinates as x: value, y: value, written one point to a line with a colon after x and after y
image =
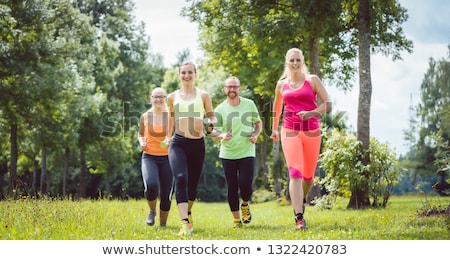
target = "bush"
x: 263, y: 195
x: 340, y: 161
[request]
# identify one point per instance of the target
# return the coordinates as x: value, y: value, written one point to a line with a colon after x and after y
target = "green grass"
x: 125, y: 220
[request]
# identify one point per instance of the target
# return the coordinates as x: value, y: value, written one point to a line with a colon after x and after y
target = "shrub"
x: 340, y: 161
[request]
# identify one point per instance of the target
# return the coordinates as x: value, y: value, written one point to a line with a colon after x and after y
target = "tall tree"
x: 360, y: 196
x: 375, y: 25
x: 433, y: 113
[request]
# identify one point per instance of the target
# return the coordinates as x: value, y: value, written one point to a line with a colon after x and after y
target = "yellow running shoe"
x: 246, y: 214
x: 237, y: 223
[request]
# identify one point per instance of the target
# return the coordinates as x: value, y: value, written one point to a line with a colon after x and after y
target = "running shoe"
x: 237, y: 223
x: 151, y: 218
x: 246, y: 214
x: 301, y: 224
x: 186, y: 228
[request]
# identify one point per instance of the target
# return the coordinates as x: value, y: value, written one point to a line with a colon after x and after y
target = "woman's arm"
x: 277, y: 107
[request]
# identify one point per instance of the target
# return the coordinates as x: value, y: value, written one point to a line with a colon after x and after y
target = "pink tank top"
x: 296, y: 100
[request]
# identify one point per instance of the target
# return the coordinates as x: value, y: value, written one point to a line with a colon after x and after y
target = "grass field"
x: 125, y: 220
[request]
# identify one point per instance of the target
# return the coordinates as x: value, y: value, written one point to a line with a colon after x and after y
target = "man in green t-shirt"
x: 238, y: 127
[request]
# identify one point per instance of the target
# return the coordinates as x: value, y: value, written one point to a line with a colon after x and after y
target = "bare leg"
x: 236, y: 214
x: 163, y: 215
x: 296, y: 192
x: 190, y: 205
x: 152, y: 204
x: 307, y: 185
x: 183, y: 209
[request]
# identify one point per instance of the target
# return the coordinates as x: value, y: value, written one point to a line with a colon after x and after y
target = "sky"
x: 395, y: 85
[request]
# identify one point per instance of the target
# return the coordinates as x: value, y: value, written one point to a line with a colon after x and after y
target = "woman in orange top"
x: 156, y: 173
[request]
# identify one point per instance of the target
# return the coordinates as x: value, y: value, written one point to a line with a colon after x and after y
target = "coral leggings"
x: 301, y: 151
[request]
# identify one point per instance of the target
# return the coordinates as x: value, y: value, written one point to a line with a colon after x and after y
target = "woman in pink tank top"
x: 297, y: 91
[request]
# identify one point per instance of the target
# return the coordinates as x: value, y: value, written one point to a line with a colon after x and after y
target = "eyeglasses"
x: 158, y: 97
x: 232, y: 87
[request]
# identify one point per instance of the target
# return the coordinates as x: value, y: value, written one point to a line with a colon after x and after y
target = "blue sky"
x: 395, y: 84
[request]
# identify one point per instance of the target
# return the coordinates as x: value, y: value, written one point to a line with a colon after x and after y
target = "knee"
x: 180, y: 179
x: 152, y: 187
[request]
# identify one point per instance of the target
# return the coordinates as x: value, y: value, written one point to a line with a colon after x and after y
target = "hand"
x: 143, y: 142
x: 253, y: 138
x: 164, y: 144
x: 274, y: 136
x: 304, y: 115
x: 228, y: 135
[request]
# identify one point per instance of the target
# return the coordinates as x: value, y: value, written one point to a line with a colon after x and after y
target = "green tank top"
x: 189, y: 109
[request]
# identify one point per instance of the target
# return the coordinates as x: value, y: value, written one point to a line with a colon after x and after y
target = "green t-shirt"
x: 240, y: 119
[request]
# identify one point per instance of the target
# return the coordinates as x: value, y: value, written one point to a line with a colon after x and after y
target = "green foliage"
x: 340, y: 160
x: 44, y: 219
x: 431, y: 207
x: 263, y: 195
x: 75, y: 75
x: 429, y: 154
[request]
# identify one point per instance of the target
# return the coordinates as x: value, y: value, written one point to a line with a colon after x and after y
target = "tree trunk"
x: 314, y: 66
x: 44, y: 178
x: 83, y: 173
x: 107, y: 175
x: 13, y: 161
x: 3, y: 172
x: 65, y: 171
x: 360, y: 197
x: 34, y: 177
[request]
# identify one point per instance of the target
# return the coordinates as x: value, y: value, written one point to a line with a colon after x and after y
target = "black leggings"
x: 158, y: 179
x: 186, y: 157
x: 239, y: 175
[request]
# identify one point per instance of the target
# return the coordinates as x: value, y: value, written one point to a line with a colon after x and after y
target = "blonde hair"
x: 165, y: 94
x: 287, y: 72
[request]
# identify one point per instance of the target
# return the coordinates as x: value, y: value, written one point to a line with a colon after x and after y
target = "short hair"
x: 231, y: 78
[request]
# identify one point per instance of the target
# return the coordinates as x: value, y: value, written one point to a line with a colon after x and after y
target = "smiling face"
x: 158, y: 97
x: 232, y: 87
x: 187, y: 73
x: 294, y: 61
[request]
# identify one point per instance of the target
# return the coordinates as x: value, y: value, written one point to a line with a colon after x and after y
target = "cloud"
x: 169, y: 32
x: 428, y: 21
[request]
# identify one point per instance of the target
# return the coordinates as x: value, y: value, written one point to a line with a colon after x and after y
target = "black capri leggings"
x: 186, y: 157
x: 239, y: 175
x: 158, y: 179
